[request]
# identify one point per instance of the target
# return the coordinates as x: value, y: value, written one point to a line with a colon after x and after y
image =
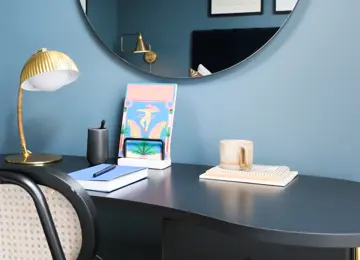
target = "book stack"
x: 118, y: 177
x: 259, y: 174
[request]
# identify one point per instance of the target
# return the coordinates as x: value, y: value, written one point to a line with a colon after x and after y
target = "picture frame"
x: 284, y: 6
x: 220, y: 8
x: 147, y: 121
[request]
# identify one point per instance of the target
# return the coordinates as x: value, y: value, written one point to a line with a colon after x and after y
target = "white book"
x: 259, y: 174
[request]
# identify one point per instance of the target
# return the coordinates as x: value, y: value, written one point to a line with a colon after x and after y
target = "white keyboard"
x: 259, y: 174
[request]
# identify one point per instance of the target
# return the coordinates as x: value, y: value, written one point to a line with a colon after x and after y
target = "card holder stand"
x: 148, y: 163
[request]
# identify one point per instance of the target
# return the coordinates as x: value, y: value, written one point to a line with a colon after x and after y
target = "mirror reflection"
x: 187, y: 38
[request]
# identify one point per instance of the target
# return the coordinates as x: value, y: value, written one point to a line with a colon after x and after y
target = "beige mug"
x: 236, y: 154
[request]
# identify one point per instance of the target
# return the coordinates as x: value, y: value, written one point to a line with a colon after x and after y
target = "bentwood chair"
x: 44, y: 215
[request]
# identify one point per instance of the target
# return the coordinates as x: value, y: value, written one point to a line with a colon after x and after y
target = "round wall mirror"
x: 187, y: 38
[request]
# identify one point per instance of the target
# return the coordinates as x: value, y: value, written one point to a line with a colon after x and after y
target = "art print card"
x: 147, y: 122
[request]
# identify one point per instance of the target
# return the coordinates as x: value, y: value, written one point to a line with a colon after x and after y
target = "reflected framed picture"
x: 235, y: 7
x: 84, y: 5
x: 284, y: 6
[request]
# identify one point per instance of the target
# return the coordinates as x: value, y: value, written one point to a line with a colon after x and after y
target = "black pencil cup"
x: 97, y: 146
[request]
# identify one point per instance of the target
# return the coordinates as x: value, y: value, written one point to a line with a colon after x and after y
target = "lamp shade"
x: 48, y: 70
x: 140, y: 45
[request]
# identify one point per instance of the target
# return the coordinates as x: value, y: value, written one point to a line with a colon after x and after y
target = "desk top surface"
x: 310, y: 211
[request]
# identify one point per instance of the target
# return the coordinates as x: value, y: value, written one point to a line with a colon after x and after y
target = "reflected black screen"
x: 220, y: 49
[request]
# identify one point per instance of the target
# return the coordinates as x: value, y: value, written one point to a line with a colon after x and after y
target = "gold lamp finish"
x: 149, y: 56
x: 140, y: 45
x: 46, y: 70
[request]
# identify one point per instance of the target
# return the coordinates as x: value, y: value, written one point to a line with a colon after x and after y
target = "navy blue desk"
x: 312, y: 218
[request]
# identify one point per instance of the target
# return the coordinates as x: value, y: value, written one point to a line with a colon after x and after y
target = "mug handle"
x: 243, y: 159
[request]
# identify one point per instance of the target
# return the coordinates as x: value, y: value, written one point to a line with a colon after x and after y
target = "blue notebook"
x: 117, y: 178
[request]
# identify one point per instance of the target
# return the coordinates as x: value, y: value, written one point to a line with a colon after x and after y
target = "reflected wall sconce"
x: 141, y: 47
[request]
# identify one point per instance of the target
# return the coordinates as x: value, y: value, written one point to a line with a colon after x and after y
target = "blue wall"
x: 298, y: 99
x: 167, y: 26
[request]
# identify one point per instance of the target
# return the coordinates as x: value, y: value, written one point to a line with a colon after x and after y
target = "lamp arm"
x: 122, y: 43
x: 122, y: 39
x: 25, y: 151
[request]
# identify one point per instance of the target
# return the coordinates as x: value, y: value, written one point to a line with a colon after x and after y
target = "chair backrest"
x: 45, y: 214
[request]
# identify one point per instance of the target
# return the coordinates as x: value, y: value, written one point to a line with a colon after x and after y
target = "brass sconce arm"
x: 141, y: 47
x: 122, y: 39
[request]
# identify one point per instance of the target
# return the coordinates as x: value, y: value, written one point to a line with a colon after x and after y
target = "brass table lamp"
x: 46, y: 70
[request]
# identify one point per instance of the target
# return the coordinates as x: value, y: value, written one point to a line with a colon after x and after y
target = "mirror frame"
x: 182, y: 78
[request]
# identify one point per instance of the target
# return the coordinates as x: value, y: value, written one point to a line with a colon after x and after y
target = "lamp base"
x: 33, y: 159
